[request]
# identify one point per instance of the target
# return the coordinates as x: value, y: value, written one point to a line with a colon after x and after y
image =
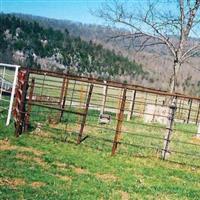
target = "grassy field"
x: 40, y: 165
x: 46, y: 162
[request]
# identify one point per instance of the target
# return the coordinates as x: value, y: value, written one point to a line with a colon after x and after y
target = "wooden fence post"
x: 119, y: 123
x: 30, y: 96
x: 169, y: 130
x: 79, y: 139
x: 119, y: 102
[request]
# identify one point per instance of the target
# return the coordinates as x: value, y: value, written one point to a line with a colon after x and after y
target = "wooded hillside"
x: 32, y: 45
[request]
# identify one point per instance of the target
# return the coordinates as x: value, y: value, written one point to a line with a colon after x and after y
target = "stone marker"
x: 156, y: 113
x: 198, y: 132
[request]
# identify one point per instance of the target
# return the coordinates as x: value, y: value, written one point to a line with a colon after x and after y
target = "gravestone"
x: 156, y: 114
x: 198, y: 131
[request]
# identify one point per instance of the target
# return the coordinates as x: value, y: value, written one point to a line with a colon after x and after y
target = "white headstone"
x: 156, y: 113
x: 198, y: 132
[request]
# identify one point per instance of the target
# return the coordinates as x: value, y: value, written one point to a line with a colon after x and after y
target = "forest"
x: 31, y: 45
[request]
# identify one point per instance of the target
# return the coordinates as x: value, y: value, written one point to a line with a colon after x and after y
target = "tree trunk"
x: 173, y: 82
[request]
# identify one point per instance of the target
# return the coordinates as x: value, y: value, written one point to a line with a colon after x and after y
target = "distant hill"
x: 155, y: 60
x: 31, y: 44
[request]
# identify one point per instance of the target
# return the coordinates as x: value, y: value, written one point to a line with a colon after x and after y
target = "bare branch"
x: 187, y: 53
x: 192, y: 15
x: 155, y: 25
x: 191, y: 54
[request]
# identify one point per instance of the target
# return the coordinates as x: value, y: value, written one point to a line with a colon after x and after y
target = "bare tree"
x: 168, y: 23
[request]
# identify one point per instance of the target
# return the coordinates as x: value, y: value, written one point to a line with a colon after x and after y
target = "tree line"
x: 73, y: 54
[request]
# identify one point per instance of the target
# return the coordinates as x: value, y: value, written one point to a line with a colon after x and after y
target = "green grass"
x: 46, y: 162
x: 40, y: 165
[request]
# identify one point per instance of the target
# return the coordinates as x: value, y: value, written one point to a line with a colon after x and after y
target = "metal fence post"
x: 197, y: 118
x: 63, y: 96
x: 189, y: 113
x: 79, y: 139
x: 132, y: 106
x: 105, y: 91
x: 169, y: 130
x: 119, y: 123
x: 119, y: 102
x: 62, y: 91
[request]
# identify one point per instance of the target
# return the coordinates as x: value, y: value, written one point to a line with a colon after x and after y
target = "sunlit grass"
x: 39, y: 165
x: 46, y: 162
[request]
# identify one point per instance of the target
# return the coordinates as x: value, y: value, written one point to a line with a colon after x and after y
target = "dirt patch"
x: 40, y: 162
x: 37, y: 160
x: 79, y: 170
x: 124, y: 195
x: 42, y: 134
x: 37, y: 184
x: 61, y: 166
x: 4, y: 141
x: 106, y: 177
x: 5, y: 146
x: 54, y: 124
x: 31, y: 150
x: 12, y: 182
x: 23, y: 157
x: 175, y: 179
x: 64, y: 178
x: 196, y: 140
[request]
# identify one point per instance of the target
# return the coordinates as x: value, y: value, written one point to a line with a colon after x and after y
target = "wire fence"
x: 109, y: 116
